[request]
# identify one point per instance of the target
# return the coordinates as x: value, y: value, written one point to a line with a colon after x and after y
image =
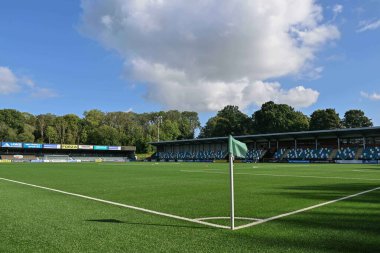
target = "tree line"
x: 278, y: 118
x: 129, y: 128
x: 97, y: 127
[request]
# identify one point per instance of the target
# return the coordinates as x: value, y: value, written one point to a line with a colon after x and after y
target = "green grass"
x: 37, y: 220
x: 143, y: 156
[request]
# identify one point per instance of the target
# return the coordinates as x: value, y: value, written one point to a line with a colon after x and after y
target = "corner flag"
x: 238, y: 149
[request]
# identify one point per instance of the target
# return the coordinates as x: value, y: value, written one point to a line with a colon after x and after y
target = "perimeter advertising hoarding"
x: 52, y: 146
x: 128, y: 148
x: 89, y: 147
x: 100, y: 147
x: 69, y: 146
x: 114, y: 148
x: 32, y: 145
x: 11, y: 145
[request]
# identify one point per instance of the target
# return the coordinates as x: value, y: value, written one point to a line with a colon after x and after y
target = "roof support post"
x: 338, y: 143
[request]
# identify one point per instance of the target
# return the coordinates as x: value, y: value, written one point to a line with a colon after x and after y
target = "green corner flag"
x: 237, y: 148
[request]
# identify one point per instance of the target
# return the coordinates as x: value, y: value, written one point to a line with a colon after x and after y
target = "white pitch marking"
x: 121, y: 205
x: 123, y: 164
x: 275, y: 175
x: 225, y: 218
x: 304, y: 209
x: 366, y: 171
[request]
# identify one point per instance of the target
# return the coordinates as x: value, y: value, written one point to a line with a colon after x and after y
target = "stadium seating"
x: 309, y: 154
x: 200, y: 155
x: 255, y: 154
x: 346, y: 153
x: 371, y: 153
x: 279, y: 153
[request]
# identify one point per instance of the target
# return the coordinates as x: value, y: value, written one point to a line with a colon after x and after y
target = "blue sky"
x: 69, y: 56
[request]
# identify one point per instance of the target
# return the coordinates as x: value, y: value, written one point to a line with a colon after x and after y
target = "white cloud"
x: 368, y: 25
x: 8, y: 81
x: 39, y: 92
x: 373, y: 96
x: 197, y: 54
x: 175, y: 89
x: 337, y: 9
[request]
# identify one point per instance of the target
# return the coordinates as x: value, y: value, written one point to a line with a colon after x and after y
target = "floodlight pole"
x: 159, y: 121
x: 231, y: 157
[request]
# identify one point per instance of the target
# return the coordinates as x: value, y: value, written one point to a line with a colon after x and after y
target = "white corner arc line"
x: 305, y: 209
x: 121, y: 205
x: 225, y: 218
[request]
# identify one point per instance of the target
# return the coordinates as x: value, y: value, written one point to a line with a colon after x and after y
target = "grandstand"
x: 337, y: 145
x: 36, y: 152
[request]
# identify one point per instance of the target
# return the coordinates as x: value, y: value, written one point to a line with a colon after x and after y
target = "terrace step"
x: 333, y: 154
x: 285, y: 154
x: 359, y: 153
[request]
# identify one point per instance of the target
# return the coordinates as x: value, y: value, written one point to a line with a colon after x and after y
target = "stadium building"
x: 354, y: 145
x: 37, y: 152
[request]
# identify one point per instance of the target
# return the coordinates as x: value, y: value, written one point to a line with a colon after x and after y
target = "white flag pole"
x: 232, y: 191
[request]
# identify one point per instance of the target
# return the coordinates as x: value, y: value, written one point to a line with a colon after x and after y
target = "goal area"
x: 57, y: 158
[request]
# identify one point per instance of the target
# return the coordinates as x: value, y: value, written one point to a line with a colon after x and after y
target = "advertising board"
x: 114, y: 148
x: 11, y: 145
x: 69, y: 146
x: 100, y: 147
x: 88, y: 147
x: 32, y: 145
x: 52, y: 146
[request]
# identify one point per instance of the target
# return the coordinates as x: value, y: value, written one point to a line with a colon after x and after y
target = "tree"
x: 27, y: 134
x: 324, y: 120
x: 13, y: 119
x: 73, y: 128
x: 94, y: 118
x: 188, y: 124
x: 229, y: 120
x: 356, y: 118
x: 105, y: 135
x: 61, y: 128
x: 7, y: 133
x: 276, y: 118
x: 51, y: 134
x: 42, y: 122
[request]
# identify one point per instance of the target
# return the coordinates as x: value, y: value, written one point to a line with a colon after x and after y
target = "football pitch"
x: 184, y: 207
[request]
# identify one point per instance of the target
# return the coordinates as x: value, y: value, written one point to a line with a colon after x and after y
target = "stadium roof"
x: 320, y: 134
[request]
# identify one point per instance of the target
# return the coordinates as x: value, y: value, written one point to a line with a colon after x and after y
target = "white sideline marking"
x: 226, y: 218
x: 366, y: 171
x: 275, y: 175
x: 304, y: 209
x: 121, y: 205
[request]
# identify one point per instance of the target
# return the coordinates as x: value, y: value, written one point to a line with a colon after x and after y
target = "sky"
x: 148, y: 55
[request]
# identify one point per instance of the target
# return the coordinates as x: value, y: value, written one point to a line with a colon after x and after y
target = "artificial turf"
x: 37, y: 220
